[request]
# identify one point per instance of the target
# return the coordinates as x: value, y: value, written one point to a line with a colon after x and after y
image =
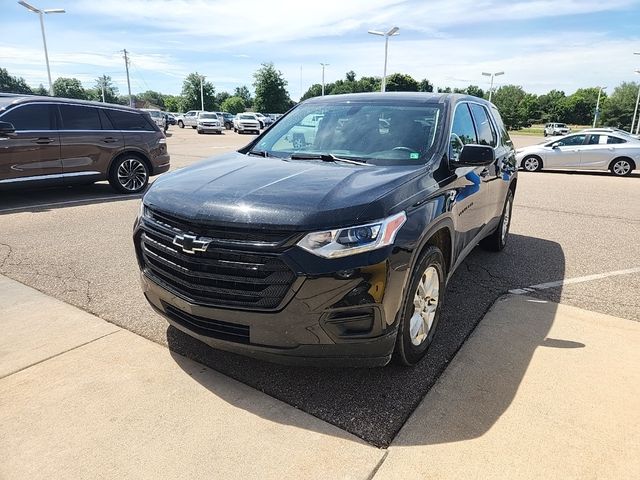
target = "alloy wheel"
x: 531, y: 164
x: 132, y: 174
x: 621, y: 167
x: 425, y: 305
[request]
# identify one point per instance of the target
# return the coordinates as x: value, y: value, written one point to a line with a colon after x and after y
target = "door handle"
x: 109, y: 140
x: 43, y: 140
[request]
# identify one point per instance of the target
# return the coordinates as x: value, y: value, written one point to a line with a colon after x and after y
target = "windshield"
x: 154, y: 113
x: 208, y: 115
x: 381, y: 134
x: 246, y: 117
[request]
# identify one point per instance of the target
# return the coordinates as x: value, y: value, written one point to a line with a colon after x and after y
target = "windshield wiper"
x: 326, y: 157
x: 259, y: 153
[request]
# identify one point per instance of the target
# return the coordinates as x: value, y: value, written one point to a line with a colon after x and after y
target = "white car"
x: 553, y: 129
x: 158, y: 117
x: 189, y: 119
x: 209, y: 122
x: 246, y: 122
x: 611, y: 151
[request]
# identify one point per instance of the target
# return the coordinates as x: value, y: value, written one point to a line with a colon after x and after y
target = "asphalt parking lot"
x: 75, y: 244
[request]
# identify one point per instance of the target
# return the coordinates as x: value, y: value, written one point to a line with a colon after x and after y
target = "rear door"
x: 88, y: 142
x: 599, y: 151
x: 34, y: 152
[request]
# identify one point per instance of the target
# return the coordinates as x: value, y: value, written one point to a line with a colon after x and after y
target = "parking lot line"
x: 70, y: 202
x: 569, y: 281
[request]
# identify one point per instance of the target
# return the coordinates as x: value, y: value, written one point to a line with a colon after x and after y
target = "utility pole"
x: 103, y: 101
x: 201, y: 92
x: 126, y: 65
x: 323, y: 65
x: 597, y: 114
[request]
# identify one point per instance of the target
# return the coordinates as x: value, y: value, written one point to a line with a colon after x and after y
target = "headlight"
x: 349, y: 241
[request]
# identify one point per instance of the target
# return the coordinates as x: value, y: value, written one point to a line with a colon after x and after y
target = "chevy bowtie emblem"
x: 191, y: 244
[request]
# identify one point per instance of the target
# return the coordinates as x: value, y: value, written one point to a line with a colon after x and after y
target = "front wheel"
x: 180, y: 123
x: 129, y: 174
x: 421, y: 308
x: 532, y: 164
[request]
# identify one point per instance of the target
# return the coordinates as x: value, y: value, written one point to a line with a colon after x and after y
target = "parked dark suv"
x: 337, y: 250
x: 47, y: 141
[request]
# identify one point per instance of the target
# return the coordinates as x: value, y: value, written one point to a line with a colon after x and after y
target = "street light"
x: 635, y: 112
x: 597, y: 114
x: 323, y: 65
x: 492, y: 75
x: 390, y: 33
x: 41, y: 14
x: 201, y: 92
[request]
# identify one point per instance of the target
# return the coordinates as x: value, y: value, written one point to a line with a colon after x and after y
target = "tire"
x: 532, y: 163
x: 622, y: 167
x: 180, y: 123
x: 498, y: 239
x: 545, y: 134
x: 194, y: 127
x: 415, y: 330
x: 129, y: 174
x: 200, y: 131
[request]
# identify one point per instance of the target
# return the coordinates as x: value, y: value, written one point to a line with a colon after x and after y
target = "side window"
x: 594, y: 140
x: 30, y: 117
x: 504, y: 136
x: 613, y: 140
x: 572, y: 141
x: 486, y: 133
x: 462, y: 132
x: 122, y: 120
x: 76, y: 117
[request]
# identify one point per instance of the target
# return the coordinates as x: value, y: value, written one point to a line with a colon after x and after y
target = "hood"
x: 269, y: 192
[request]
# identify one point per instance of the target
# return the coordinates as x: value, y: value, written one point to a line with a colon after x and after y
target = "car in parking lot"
x: 337, y: 251
x: 50, y: 141
x: 189, y: 119
x: 158, y: 117
x: 209, y: 122
x: 246, y: 122
x: 586, y: 150
x: 228, y: 120
x: 554, y: 129
x: 171, y: 118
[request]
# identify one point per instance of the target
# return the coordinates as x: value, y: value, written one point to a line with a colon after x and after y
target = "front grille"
x: 220, y: 276
x: 231, y: 332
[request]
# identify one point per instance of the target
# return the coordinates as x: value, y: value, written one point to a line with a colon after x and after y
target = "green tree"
x: 69, y: 88
x: 618, y: 110
x: 425, y: 86
x: 221, y: 97
x: 110, y: 90
x: 514, y: 104
x: 271, y: 90
x: 444, y: 90
x: 475, y: 91
x: 41, y: 90
x: 551, y: 106
x: 11, y: 84
x: 191, y: 93
x: 580, y: 107
x: 172, y: 103
x: 314, y: 90
x: 245, y: 95
x: 401, y: 82
x: 234, y: 105
x: 150, y: 99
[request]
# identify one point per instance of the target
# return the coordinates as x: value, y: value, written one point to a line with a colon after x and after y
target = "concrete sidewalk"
x: 539, y: 390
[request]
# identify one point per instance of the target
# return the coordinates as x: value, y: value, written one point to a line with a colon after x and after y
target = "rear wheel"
x: 621, y: 167
x: 421, y: 308
x: 180, y: 123
x: 194, y: 127
x: 532, y: 164
x: 129, y: 174
x: 498, y: 239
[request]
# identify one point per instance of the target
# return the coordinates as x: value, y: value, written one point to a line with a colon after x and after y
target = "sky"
x: 540, y: 44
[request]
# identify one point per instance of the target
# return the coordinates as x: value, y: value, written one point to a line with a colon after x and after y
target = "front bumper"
x: 344, y: 317
x: 210, y: 128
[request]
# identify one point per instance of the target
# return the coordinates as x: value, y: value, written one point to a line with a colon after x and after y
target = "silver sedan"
x: 616, y: 152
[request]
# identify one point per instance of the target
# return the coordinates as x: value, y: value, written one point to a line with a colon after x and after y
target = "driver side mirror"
x: 7, y: 129
x: 476, y: 155
x: 556, y: 145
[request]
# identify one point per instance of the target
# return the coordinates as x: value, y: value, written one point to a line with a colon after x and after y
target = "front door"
x: 33, y: 153
x: 565, y: 153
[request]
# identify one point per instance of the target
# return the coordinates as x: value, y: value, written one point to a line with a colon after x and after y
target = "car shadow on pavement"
x: 46, y: 199
x: 592, y: 173
x: 373, y: 404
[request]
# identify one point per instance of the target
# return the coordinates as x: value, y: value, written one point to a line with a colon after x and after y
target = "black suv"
x: 48, y: 141
x: 336, y: 250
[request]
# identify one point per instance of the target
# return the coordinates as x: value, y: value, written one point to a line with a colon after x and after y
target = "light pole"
x: 394, y: 31
x: 201, y: 92
x: 323, y: 65
x: 492, y: 75
x: 41, y: 14
x: 635, y: 112
x: 597, y: 114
